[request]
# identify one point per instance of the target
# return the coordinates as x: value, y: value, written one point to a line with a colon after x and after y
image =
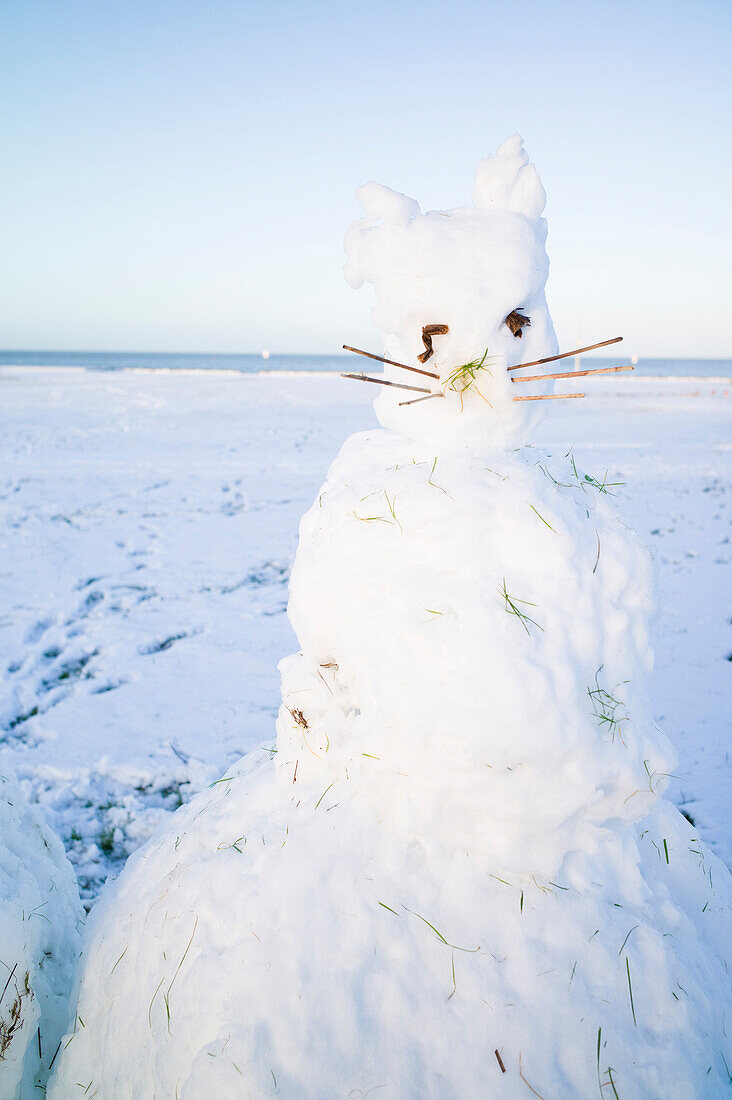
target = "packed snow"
x: 456, y: 870
x: 40, y: 938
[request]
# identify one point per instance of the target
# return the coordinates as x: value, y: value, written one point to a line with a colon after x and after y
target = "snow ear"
x: 508, y: 181
x: 386, y: 213
x: 381, y: 204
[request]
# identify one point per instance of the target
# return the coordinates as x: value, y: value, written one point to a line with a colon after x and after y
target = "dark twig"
x: 391, y: 362
x: 566, y: 354
x: 383, y: 382
x: 569, y: 374
x: 500, y: 1061
x: 414, y: 400
x: 549, y: 397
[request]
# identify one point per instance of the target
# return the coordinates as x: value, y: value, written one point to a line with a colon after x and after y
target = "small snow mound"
x: 40, y: 919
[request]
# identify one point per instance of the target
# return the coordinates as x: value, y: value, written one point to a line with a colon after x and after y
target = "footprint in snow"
x: 164, y: 644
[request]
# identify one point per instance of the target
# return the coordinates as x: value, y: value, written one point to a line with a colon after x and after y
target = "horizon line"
x: 274, y: 354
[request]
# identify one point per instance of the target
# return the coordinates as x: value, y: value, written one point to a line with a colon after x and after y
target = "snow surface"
x: 456, y: 871
x: 130, y: 481
x: 87, y: 446
x: 237, y: 823
x: 40, y: 938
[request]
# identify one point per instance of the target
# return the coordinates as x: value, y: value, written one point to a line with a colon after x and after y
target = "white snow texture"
x: 40, y: 919
x: 456, y: 876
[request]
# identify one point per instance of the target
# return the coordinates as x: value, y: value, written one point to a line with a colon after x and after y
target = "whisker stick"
x: 391, y: 362
x: 414, y: 400
x: 550, y: 397
x: 383, y: 382
x: 566, y: 354
x: 569, y: 374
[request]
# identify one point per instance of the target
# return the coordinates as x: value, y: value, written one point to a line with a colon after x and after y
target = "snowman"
x: 455, y: 876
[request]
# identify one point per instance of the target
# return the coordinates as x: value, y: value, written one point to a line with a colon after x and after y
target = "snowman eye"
x: 428, y: 331
x: 516, y: 321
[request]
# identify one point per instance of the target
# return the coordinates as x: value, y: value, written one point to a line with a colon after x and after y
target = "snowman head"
x: 480, y: 271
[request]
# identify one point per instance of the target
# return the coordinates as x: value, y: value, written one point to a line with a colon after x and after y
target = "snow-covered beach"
x: 365, y: 621
x: 149, y: 520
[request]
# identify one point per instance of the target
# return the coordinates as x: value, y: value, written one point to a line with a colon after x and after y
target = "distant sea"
x: 251, y: 364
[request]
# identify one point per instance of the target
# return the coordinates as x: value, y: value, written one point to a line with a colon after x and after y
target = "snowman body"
x: 456, y: 876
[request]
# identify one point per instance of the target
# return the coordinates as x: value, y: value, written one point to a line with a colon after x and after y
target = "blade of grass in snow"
x: 385, y: 906
x: 119, y: 960
x: 729, y: 1075
x: 177, y: 971
x: 152, y: 1001
x: 586, y: 480
x: 627, y: 938
x: 467, y: 950
x: 454, y: 983
x: 609, y: 1071
x: 547, y: 524
x: 512, y: 609
x: 324, y: 794
x: 432, y: 474
x: 390, y: 503
x: 394, y: 522
x: 630, y: 990
x: 605, y: 708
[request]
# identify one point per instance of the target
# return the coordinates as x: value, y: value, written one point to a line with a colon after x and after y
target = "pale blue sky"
x: 179, y: 175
